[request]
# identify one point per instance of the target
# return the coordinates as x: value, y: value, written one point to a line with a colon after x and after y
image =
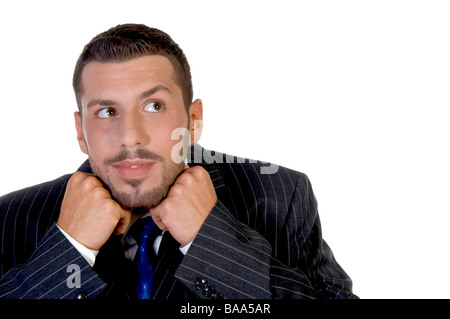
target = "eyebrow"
x: 143, y: 95
x: 157, y: 88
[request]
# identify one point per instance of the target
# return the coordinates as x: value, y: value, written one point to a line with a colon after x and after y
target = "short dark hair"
x: 127, y: 41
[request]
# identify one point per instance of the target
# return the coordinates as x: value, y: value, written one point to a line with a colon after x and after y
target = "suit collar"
x: 85, y: 167
x: 199, y: 156
x: 196, y: 158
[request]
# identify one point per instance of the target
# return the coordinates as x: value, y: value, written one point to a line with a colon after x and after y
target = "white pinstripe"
x: 28, y: 214
x: 210, y: 278
x: 269, y: 223
x: 3, y: 228
x: 51, y: 274
x: 37, y: 270
x: 231, y: 261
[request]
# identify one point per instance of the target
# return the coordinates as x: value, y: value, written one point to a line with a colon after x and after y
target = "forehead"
x: 135, y: 75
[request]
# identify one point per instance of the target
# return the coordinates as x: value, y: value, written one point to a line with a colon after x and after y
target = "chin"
x: 140, y: 194
x: 138, y: 200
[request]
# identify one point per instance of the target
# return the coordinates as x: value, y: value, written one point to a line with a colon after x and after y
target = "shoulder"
x: 30, y: 212
x: 36, y: 192
x: 43, y: 192
x: 33, y: 208
x: 25, y: 216
x: 248, y: 169
x: 249, y: 180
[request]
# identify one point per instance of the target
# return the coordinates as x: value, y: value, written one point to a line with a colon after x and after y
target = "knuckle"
x: 76, y: 178
x: 98, y: 193
x: 199, y: 171
x: 186, y: 179
x: 91, y: 183
x: 176, y: 189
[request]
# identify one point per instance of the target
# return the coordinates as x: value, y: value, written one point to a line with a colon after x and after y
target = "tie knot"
x: 143, y: 229
x: 148, y: 228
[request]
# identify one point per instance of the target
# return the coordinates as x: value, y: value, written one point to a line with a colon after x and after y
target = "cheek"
x: 99, y: 143
x: 161, y: 136
x: 162, y: 139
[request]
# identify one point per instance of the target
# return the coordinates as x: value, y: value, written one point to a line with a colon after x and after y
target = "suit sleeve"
x: 311, y: 262
x: 229, y: 257
x: 232, y: 260
x: 54, y: 270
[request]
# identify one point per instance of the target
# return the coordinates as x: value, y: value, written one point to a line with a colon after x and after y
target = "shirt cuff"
x: 185, y: 249
x: 88, y: 254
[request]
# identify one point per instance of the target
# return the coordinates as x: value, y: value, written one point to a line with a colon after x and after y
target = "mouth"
x: 133, y: 169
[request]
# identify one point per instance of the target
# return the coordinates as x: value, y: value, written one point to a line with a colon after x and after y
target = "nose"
x: 133, y: 131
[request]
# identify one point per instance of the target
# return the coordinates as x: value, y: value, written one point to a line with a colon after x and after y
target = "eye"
x: 106, y: 113
x: 153, y: 107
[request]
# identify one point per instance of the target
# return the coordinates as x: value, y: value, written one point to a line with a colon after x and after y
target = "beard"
x: 138, y: 199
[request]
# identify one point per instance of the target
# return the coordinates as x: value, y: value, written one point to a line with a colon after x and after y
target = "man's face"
x: 129, y: 110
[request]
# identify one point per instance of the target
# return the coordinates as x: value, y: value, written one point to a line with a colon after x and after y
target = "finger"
x: 190, y: 175
x: 123, y: 223
x: 156, y: 216
x: 159, y: 223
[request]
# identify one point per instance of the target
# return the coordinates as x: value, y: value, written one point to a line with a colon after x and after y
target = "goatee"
x: 138, y: 199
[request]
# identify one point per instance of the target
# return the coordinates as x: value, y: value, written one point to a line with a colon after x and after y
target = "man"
x: 226, y: 227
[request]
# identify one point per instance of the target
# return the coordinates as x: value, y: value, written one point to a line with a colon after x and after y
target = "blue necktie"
x: 144, y: 287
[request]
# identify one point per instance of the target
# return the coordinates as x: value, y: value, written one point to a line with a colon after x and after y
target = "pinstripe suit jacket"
x: 261, y: 240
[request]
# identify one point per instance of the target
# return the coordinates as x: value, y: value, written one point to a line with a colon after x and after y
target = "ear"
x: 196, y: 121
x: 80, y: 136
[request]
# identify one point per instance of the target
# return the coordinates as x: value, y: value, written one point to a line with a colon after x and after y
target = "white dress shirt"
x: 130, y: 251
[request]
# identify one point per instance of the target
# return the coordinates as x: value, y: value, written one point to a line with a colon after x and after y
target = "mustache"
x: 137, y: 154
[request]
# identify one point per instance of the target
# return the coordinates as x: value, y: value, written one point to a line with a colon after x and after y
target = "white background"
x: 353, y: 93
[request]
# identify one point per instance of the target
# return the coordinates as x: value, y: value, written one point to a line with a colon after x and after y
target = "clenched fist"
x: 188, y: 203
x: 89, y: 214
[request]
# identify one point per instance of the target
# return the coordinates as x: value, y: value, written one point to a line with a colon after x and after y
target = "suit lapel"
x: 119, y: 272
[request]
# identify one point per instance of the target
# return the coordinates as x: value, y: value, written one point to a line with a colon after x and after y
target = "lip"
x: 133, y: 169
